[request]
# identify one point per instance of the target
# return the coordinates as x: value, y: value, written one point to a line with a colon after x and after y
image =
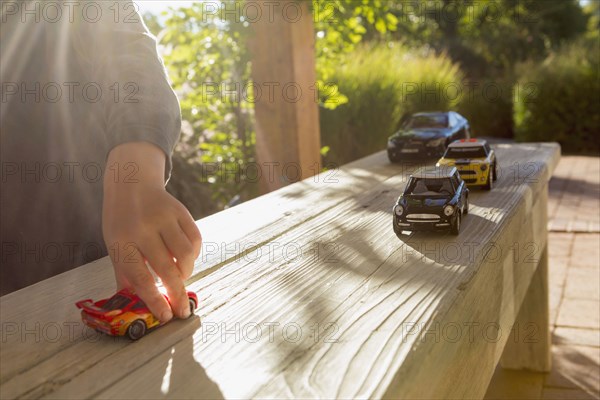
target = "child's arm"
x: 142, y: 221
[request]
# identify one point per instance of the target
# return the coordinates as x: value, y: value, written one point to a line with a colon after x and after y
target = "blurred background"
x: 524, y: 70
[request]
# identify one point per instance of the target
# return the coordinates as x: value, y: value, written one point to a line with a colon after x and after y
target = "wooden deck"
x: 307, y: 292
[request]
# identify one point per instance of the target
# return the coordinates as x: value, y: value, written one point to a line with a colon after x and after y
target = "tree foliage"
x: 209, y: 63
x: 486, y: 37
x: 340, y: 25
x: 564, y: 107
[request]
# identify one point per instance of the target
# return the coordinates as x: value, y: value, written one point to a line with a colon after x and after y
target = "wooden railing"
x: 307, y: 292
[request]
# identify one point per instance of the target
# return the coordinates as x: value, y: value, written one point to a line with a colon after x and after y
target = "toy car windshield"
x: 430, y: 187
x: 427, y: 121
x: 465, y: 152
x: 116, y: 302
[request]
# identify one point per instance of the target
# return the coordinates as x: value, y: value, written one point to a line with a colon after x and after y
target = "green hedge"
x: 562, y: 101
x: 488, y: 106
x: 383, y: 82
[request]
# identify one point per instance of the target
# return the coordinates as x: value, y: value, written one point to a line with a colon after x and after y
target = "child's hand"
x: 142, y: 222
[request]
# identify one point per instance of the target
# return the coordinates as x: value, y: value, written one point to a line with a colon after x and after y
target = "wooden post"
x: 287, y: 115
x: 532, y: 353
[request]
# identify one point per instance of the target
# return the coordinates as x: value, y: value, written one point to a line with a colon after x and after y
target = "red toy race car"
x: 123, y: 314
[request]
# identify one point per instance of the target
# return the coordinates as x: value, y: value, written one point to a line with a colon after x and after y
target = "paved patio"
x: 574, y: 262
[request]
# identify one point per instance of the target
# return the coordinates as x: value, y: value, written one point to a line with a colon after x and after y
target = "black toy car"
x: 435, y: 198
x: 426, y: 135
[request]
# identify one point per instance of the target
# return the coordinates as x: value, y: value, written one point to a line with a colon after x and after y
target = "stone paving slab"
x: 566, y: 394
x: 575, y: 367
x: 580, y: 286
x: 576, y: 336
x: 574, y: 197
x: 579, y: 313
x: 586, y: 253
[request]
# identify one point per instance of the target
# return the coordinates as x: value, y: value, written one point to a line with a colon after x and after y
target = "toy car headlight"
x: 398, y: 210
x: 448, y: 210
x: 435, y: 142
x: 483, y: 167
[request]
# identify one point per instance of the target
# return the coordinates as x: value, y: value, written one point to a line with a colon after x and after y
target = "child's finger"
x: 132, y: 256
x: 121, y: 279
x: 162, y: 263
x: 140, y: 279
x: 180, y: 247
x: 189, y: 227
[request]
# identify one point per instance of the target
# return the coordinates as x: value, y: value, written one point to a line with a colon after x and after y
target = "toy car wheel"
x: 192, y: 306
x: 466, y: 207
x: 490, y: 179
x: 136, y: 330
x: 393, y: 159
x: 495, y: 172
x: 455, y: 227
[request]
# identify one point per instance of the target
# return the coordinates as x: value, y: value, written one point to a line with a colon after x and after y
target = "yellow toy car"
x: 475, y: 161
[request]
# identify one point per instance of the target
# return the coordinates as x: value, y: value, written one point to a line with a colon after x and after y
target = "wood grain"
x: 358, y: 314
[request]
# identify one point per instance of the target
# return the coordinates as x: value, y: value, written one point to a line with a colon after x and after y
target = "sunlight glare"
x: 166, y: 382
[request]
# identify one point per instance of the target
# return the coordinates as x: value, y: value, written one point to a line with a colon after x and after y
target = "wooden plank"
x: 264, y: 219
x: 375, y: 289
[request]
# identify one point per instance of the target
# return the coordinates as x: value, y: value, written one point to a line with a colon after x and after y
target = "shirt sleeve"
x: 138, y: 102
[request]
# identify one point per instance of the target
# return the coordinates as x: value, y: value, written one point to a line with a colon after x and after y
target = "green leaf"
x: 381, y: 26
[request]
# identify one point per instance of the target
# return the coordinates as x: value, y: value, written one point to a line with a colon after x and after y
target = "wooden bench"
x: 306, y: 292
